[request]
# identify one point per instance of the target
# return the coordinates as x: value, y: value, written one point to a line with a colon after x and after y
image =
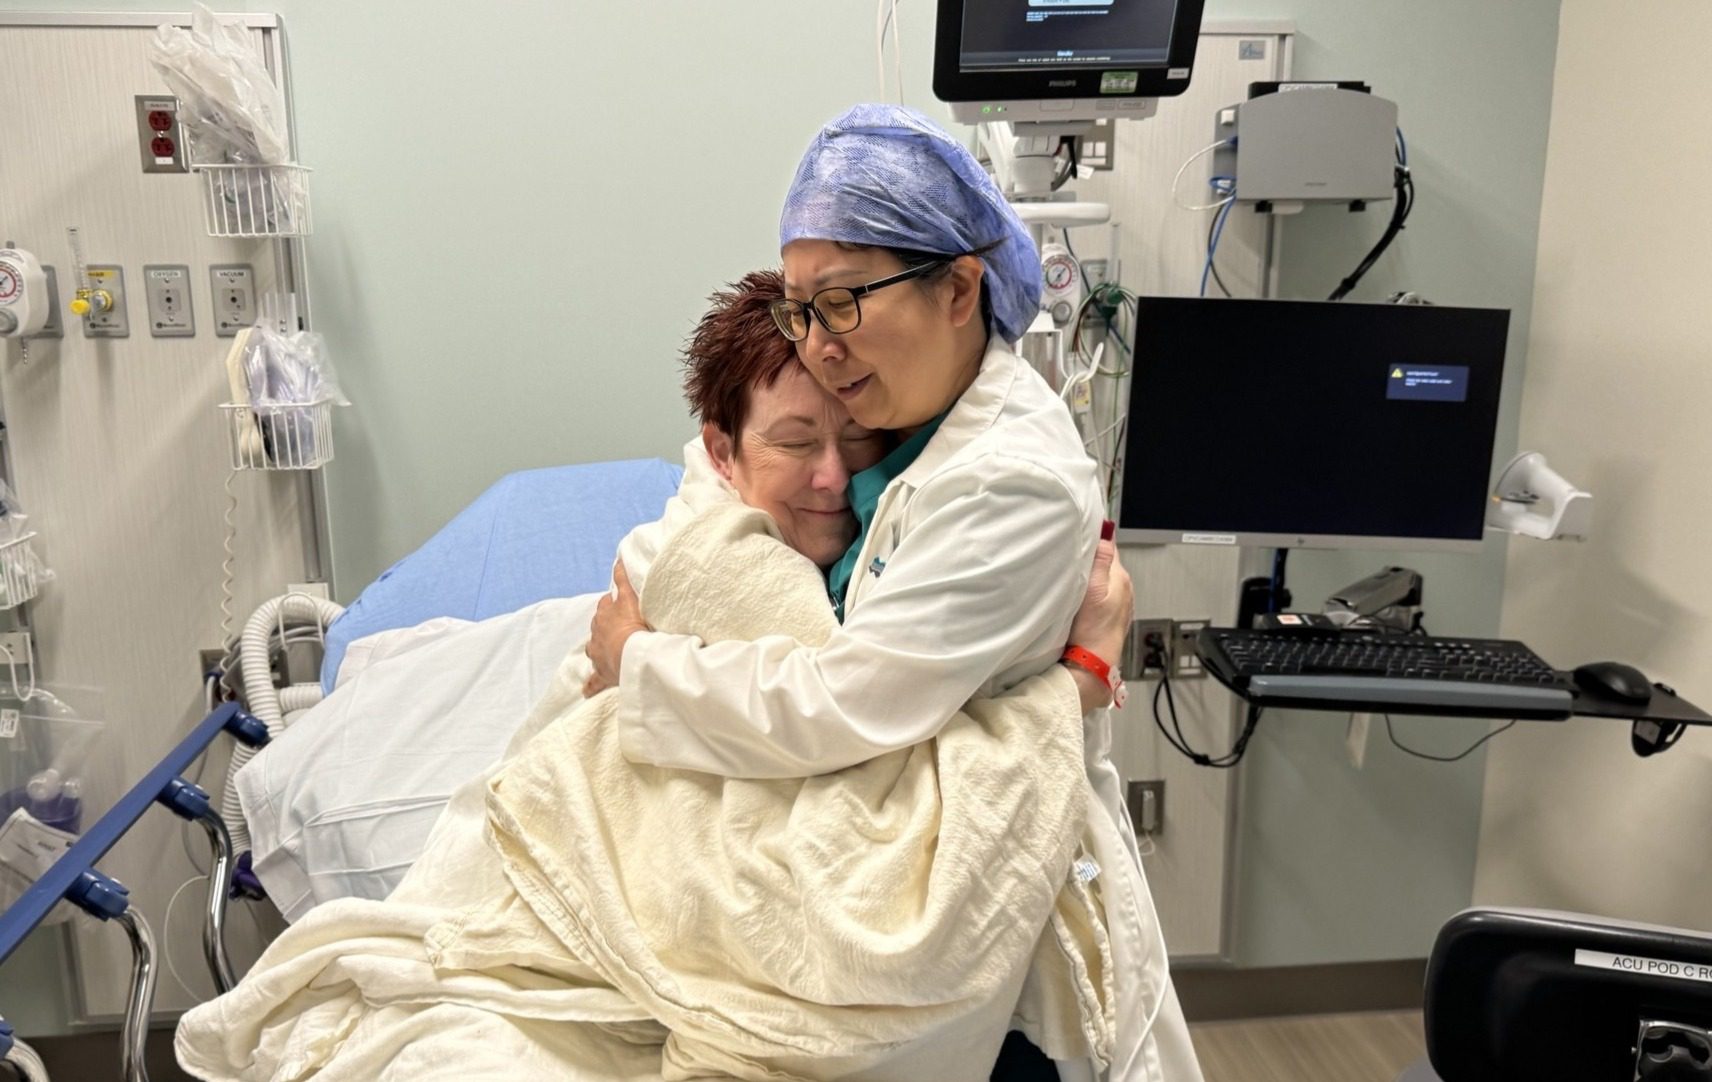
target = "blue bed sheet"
x: 533, y: 535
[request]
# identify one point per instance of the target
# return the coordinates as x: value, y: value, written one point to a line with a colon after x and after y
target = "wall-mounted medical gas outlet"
x: 167, y: 289
x: 234, y: 290
x: 160, y: 140
x: 105, y: 314
x: 1146, y: 800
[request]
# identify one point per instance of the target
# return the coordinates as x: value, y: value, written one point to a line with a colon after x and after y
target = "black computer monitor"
x: 1010, y: 56
x: 1310, y: 424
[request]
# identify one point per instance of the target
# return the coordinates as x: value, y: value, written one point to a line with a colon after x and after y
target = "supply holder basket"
x: 294, y: 436
x: 20, y: 572
x: 256, y: 200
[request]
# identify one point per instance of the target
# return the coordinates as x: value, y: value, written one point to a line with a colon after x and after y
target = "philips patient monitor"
x: 1062, y: 60
x: 1311, y: 424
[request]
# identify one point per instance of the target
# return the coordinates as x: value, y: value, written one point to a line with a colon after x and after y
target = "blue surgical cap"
x: 887, y: 176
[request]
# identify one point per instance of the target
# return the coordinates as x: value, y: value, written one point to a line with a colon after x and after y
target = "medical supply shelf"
x: 256, y: 200
x: 73, y: 877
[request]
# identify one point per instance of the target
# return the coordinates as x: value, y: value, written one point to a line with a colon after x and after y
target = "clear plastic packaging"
x: 287, y: 423
x: 289, y: 369
x: 231, y: 108
x: 46, y: 749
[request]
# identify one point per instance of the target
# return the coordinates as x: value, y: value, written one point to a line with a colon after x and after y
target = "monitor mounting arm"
x: 1390, y: 598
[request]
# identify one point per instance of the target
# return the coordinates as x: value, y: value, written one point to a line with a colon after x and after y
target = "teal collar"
x: 865, y: 489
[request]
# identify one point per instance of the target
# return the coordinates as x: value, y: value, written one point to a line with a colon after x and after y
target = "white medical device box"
x: 1308, y: 143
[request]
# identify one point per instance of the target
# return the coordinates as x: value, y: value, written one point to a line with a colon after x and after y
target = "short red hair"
x: 736, y: 347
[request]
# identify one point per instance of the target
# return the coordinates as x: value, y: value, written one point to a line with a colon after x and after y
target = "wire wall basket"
x: 20, y: 572
x: 288, y: 437
x: 256, y: 200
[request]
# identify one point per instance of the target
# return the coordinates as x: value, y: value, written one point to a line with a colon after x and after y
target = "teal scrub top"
x: 865, y: 489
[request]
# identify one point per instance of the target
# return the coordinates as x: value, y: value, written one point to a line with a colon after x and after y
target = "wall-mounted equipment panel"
x: 107, y: 315
x: 167, y: 291
x: 234, y: 291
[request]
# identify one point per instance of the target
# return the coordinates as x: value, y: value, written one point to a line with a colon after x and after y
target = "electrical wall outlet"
x: 309, y: 589
x: 1175, y: 639
x: 1185, y: 649
x: 17, y: 643
x: 1146, y: 801
x: 1144, y: 637
x: 160, y: 138
x: 1095, y: 271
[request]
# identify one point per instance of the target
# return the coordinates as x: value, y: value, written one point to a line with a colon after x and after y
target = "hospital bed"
x: 430, y: 671
x: 533, y: 536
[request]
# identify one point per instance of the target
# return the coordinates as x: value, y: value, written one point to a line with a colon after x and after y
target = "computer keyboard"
x: 1403, y: 673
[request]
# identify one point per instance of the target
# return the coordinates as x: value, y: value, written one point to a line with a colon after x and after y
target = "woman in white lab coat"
x: 908, y: 276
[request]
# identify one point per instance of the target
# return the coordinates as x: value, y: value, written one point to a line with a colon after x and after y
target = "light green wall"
x: 521, y: 206
x: 520, y: 211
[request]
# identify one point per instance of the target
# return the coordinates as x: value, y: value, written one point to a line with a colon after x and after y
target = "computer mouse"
x: 1614, y: 680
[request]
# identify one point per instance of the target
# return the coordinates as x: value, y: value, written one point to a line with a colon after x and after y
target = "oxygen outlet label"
x: 1646, y: 967
x: 1419, y: 383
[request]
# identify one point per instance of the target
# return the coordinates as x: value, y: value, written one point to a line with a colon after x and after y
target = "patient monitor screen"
x: 1007, y: 35
x: 1285, y: 422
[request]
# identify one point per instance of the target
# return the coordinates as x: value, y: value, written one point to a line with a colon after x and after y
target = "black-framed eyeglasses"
x: 837, y: 307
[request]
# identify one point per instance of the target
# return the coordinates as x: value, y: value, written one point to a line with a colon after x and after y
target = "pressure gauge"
x: 1060, y: 272
x: 1063, y: 281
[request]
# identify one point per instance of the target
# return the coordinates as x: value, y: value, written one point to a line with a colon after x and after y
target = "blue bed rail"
x: 73, y: 877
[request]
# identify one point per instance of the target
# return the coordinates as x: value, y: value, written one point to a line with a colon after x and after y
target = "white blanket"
x: 876, y: 920
x: 341, y: 803
x: 874, y: 923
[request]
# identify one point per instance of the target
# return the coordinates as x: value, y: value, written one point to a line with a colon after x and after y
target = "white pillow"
x: 341, y: 803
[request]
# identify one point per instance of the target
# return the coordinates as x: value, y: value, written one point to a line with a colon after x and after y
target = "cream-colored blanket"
x: 817, y: 926
x: 878, y: 922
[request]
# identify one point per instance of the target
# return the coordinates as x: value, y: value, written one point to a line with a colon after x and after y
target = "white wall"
x: 1619, y: 384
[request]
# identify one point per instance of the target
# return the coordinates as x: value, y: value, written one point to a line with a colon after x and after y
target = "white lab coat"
x: 968, y: 579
